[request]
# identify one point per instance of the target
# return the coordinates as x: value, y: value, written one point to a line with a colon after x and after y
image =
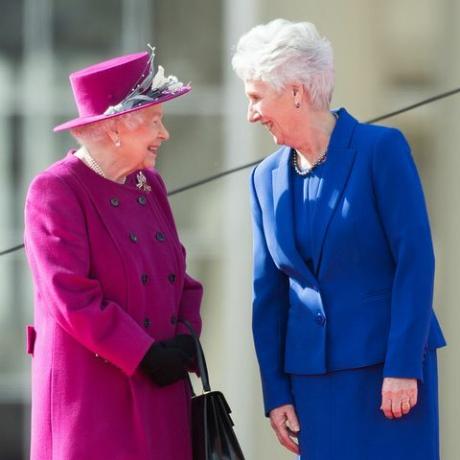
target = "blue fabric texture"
x: 340, y: 419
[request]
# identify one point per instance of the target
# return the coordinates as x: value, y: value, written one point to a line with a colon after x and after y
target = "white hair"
x: 97, y: 131
x: 282, y: 52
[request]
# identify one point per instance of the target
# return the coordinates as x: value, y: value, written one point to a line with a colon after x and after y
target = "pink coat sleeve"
x: 57, y: 248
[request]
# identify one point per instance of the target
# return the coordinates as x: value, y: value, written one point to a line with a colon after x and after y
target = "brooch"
x: 142, y: 182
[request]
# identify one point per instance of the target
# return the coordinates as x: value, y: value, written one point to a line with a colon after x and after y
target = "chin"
x: 149, y: 163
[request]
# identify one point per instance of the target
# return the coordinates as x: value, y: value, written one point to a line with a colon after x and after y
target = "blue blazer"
x: 368, y: 299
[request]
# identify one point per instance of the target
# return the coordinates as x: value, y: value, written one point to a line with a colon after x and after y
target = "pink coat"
x: 109, y: 277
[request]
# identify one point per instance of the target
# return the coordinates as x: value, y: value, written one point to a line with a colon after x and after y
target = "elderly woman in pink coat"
x: 110, y: 354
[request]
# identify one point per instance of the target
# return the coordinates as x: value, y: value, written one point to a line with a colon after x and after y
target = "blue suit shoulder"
x: 371, y: 137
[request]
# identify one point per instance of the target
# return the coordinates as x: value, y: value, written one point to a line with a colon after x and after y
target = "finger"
x: 413, y: 396
x: 292, y: 421
x: 293, y: 434
x: 290, y: 445
x: 284, y: 439
x: 396, y: 407
x: 386, y: 406
x: 287, y: 442
x: 405, y: 406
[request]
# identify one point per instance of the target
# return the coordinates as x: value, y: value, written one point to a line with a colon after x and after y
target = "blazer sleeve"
x: 404, y: 216
x: 269, y: 314
x: 58, y: 251
x: 192, y: 291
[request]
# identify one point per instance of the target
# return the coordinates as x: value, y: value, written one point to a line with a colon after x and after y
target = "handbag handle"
x: 202, y: 367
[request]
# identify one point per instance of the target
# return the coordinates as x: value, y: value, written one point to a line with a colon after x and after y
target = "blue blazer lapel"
x: 289, y: 259
x: 337, y: 170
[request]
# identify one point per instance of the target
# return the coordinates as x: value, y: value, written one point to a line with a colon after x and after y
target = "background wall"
x: 388, y: 54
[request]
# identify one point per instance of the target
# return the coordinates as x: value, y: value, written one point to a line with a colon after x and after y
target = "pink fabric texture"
x: 109, y: 279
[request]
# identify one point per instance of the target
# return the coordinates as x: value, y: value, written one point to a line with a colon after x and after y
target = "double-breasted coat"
x: 109, y: 279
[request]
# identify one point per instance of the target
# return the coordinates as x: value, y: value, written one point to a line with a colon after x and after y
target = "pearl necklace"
x: 304, y: 172
x: 84, y: 155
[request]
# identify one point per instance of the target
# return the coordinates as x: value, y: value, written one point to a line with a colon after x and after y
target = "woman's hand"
x: 286, y: 426
x: 399, y: 396
x: 185, y: 343
x: 165, y: 364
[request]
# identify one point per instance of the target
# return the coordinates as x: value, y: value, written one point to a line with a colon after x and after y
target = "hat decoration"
x: 151, y: 88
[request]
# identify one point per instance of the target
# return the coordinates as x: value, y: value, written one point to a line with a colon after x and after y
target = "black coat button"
x: 172, y: 278
x: 160, y: 236
x: 147, y: 323
x: 173, y: 319
x: 144, y: 278
x: 115, y: 202
x: 133, y: 237
x: 142, y: 200
x: 320, y: 319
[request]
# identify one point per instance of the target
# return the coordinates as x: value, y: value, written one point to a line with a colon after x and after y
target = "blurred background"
x: 388, y: 55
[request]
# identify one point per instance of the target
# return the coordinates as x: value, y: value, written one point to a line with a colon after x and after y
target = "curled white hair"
x: 282, y: 52
x: 98, y: 131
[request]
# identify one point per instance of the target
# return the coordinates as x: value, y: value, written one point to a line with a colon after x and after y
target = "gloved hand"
x: 165, y: 364
x: 185, y: 343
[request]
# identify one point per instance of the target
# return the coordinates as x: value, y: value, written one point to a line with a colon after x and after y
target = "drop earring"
x: 296, y: 103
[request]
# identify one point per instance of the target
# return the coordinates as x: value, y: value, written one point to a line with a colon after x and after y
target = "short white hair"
x: 282, y: 52
x: 97, y: 132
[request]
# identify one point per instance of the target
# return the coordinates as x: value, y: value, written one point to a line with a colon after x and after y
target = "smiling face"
x: 275, y: 110
x: 141, y: 143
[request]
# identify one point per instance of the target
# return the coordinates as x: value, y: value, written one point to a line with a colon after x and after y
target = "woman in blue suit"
x: 343, y: 323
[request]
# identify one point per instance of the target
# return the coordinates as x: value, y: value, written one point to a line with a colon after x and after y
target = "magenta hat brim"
x: 82, y: 121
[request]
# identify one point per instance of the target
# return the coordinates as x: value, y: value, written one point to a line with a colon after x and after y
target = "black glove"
x: 165, y: 364
x: 185, y: 343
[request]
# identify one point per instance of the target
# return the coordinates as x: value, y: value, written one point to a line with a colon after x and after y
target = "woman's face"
x: 140, y: 145
x: 271, y: 108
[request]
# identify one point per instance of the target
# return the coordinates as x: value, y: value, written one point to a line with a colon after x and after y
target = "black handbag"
x: 213, y: 437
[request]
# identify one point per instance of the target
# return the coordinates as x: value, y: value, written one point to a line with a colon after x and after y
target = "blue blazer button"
x: 320, y: 319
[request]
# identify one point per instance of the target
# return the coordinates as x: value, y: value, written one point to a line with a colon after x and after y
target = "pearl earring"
x: 117, y: 142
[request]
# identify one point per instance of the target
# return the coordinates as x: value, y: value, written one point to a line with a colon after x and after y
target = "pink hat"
x: 118, y: 86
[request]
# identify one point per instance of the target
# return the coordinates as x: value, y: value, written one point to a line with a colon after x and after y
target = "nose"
x: 163, y: 134
x: 253, y: 115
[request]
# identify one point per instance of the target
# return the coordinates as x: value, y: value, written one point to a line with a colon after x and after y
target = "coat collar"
x: 337, y: 169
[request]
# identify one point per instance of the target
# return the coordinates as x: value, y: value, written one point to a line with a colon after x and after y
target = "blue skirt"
x: 340, y: 417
